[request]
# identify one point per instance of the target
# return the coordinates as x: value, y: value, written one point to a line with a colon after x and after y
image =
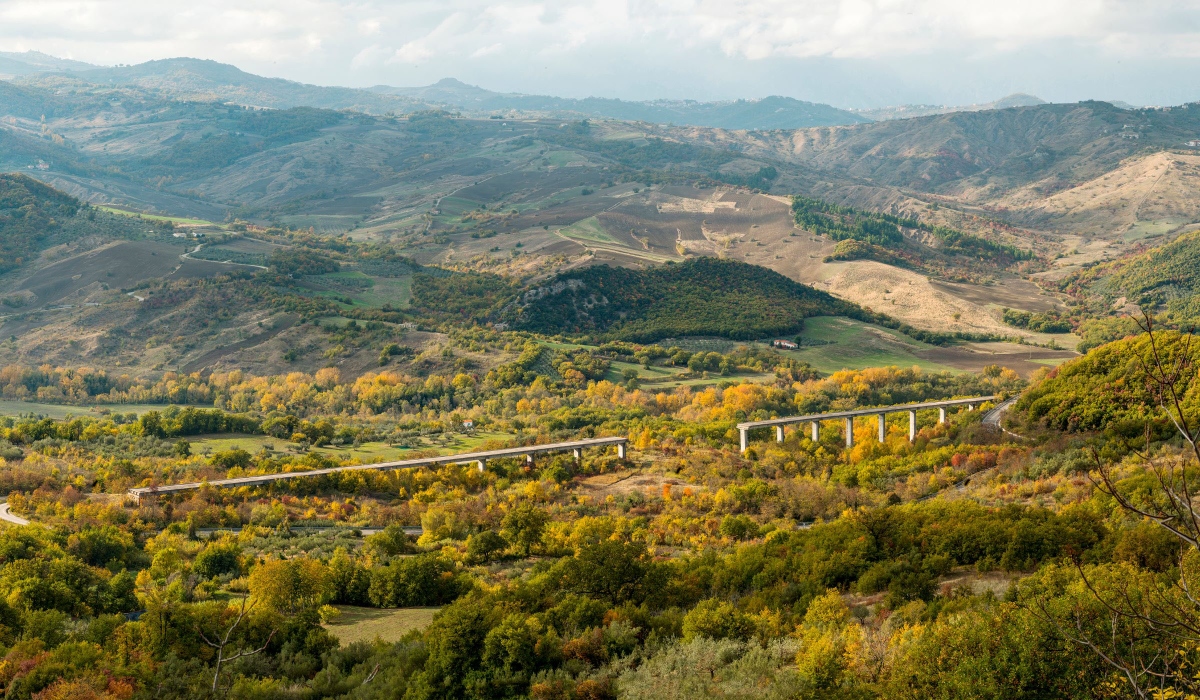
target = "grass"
x: 589, y: 230
x: 156, y: 217
x: 389, y: 625
x: 367, y: 452
x: 857, y: 345
x: 50, y: 410
x: 561, y: 158
x: 1145, y: 229
x: 396, y: 291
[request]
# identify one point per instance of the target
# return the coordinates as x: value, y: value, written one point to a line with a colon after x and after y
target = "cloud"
x: 366, y: 41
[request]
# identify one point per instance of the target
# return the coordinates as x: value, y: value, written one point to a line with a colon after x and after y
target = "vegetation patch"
x: 703, y: 296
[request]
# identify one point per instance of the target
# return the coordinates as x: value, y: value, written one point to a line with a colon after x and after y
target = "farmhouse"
x: 785, y: 344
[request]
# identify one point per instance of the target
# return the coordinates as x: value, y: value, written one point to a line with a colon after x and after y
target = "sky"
x: 849, y: 53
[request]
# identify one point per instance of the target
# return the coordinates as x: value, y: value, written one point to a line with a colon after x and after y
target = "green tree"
x: 524, y: 526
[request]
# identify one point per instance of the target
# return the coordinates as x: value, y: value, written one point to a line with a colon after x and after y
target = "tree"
x: 716, y: 619
x: 290, y: 585
x: 221, y: 641
x: 1148, y: 632
x: 216, y: 559
x: 523, y: 527
x: 609, y: 569
x: 483, y: 547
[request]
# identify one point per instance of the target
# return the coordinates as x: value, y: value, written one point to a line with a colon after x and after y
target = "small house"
x: 785, y: 344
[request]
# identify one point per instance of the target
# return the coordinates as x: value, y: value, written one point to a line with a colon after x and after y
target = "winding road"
x: 993, y: 416
x: 7, y: 516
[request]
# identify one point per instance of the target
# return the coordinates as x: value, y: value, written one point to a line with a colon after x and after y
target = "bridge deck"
x: 399, y: 464
x: 750, y: 425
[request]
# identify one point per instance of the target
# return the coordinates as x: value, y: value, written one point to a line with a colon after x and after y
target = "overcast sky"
x: 850, y: 53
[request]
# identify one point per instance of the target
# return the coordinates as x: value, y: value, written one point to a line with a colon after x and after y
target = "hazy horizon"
x: 849, y: 54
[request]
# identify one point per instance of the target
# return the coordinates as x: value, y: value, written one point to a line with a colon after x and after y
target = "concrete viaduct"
x: 480, y: 458
x: 849, y: 416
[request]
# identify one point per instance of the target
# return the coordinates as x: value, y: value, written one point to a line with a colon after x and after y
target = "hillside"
x: 1107, y: 389
x: 704, y: 296
x: 197, y: 79
x: 910, y: 111
x: 768, y: 113
x: 1166, y: 276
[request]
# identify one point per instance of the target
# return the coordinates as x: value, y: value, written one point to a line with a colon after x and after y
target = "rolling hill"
x: 704, y: 296
x: 198, y: 79
x: 768, y: 113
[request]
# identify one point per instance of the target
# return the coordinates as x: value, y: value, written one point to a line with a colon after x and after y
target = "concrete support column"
x: 816, y: 431
x: 849, y: 431
x: 743, y: 434
x: 621, y: 449
x: 912, y: 426
x: 882, y: 426
x: 578, y: 454
x: 970, y: 407
x: 482, y: 465
x: 942, y: 415
x: 779, y: 433
x: 529, y: 460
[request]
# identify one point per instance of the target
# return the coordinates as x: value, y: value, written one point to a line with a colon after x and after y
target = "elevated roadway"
x: 847, y: 417
x: 480, y: 458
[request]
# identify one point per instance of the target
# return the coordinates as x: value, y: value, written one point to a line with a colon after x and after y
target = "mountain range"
x: 196, y: 79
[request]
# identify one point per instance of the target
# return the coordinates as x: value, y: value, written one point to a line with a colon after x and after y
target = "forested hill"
x: 34, y: 216
x: 1168, y: 276
x: 703, y: 296
x: 29, y: 212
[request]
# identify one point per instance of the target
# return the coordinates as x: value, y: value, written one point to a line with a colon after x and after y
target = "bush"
x: 716, y: 619
x: 739, y: 527
x: 424, y: 579
x: 218, y: 559
x: 484, y: 547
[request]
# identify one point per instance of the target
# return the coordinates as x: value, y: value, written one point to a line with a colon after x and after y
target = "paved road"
x: 6, y: 516
x: 993, y: 417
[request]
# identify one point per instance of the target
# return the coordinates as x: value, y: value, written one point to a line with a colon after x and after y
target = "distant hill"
x: 1019, y: 99
x: 1168, y: 275
x: 190, y: 78
x: 702, y: 296
x: 34, y: 216
x: 30, y: 62
x: 768, y: 113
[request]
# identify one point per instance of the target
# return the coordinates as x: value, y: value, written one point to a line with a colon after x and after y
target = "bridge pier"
x: 529, y: 460
x: 880, y: 412
x: 578, y: 454
x: 621, y: 447
x: 482, y: 465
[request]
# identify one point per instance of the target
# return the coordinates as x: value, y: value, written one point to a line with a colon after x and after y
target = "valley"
x: 226, y: 300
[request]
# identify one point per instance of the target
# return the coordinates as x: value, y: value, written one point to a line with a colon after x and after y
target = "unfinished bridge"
x: 479, y: 458
x: 847, y: 417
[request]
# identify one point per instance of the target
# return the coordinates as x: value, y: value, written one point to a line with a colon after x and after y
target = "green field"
x: 368, y: 624
x: 367, y: 452
x: 156, y: 217
x: 396, y: 291
x: 589, y: 230
x: 856, y: 345
x: 50, y: 410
